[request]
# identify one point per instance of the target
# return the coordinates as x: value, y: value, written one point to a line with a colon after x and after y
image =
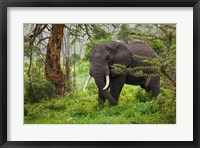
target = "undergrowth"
x: 77, y: 107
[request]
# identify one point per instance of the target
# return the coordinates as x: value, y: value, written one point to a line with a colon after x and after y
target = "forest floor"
x: 135, y: 107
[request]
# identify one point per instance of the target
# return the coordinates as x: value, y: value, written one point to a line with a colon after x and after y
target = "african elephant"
x: 104, y: 55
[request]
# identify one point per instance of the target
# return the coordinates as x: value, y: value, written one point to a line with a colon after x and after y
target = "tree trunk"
x: 67, y: 55
x: 52, y: 63
x: 74, y: 83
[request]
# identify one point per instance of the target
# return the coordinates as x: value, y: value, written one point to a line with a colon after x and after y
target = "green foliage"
x: 99, y: 34
x: 82, y: 108
x: 74, y: 57
x: 88, y: 50
x: 123, y: 34
x: 143, y: 96
x: 38, y: 87
x: 149, y: 67
x: 158, y: 46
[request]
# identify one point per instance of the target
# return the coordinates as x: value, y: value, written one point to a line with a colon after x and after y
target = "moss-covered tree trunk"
x: 52, y: 63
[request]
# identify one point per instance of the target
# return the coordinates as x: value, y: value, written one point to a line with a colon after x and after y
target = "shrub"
x: 37, y: 89
x: 142, y: 96
x: 167, y: 102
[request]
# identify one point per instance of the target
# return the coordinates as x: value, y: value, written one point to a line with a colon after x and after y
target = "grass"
x: 82, y: 108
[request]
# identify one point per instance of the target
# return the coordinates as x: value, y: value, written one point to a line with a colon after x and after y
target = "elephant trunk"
x: 100, y: 82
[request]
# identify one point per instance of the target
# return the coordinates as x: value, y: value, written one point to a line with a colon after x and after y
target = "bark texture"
x: 52, y: 63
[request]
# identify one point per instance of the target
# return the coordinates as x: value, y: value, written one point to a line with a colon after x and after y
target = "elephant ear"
x: 121, y: 54
x: 112, y: 47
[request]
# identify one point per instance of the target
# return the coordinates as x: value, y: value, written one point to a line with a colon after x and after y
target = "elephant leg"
x: 116, y: 85
x: 155, y: 90
x: 154, y: 86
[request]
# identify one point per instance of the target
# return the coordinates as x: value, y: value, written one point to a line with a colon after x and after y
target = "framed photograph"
x: 104, y: 73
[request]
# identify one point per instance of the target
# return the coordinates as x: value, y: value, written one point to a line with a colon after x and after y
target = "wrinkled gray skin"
x: 106, y: 54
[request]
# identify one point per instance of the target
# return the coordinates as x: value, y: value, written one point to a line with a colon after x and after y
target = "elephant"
x: 104, y: 55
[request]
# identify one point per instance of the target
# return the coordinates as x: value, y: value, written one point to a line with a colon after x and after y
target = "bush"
x: 38, y: 89
x: 167, y: 102
x: 143, y: 96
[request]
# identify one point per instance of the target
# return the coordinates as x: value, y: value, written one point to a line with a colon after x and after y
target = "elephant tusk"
x: 107, y: 82
x: 86, y: 83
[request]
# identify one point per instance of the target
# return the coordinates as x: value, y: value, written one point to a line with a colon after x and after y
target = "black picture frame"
x: 99, y: 3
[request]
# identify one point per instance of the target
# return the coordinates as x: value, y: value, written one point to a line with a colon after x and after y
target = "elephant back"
x: 141, y: 49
